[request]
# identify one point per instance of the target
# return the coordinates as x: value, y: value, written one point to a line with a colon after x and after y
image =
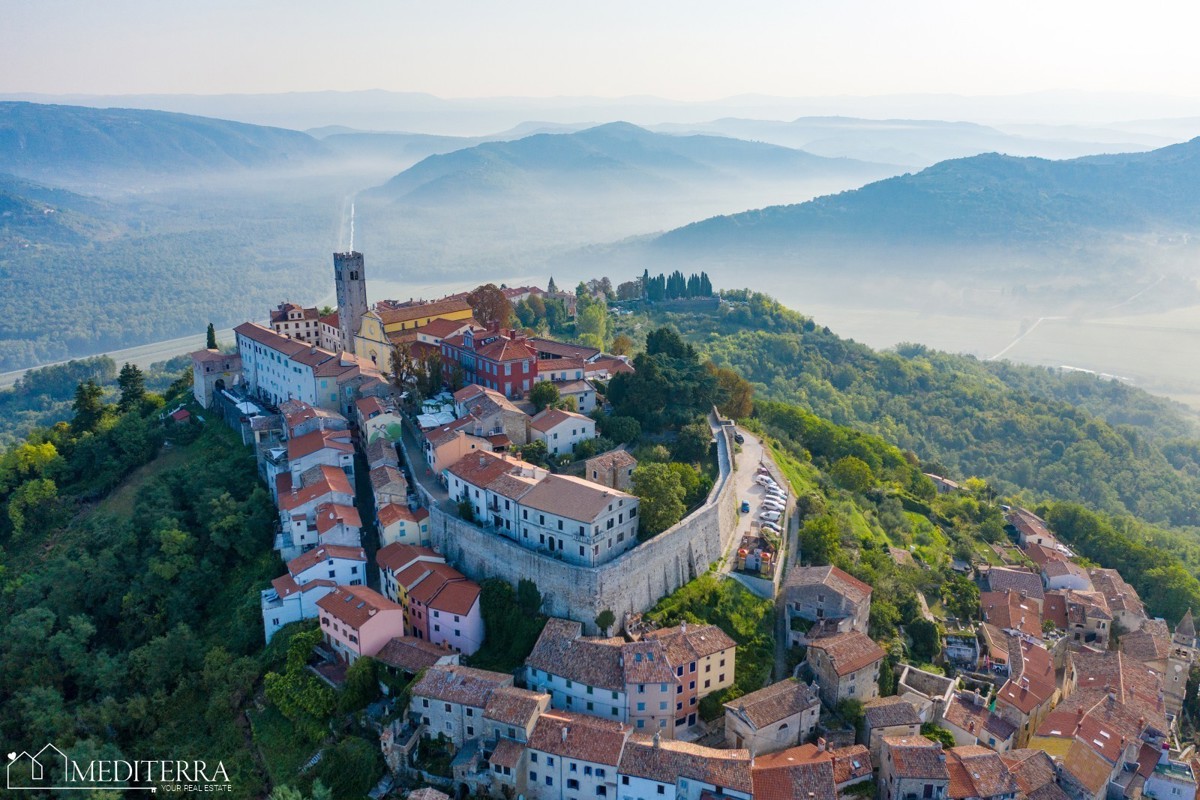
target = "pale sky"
x: 681, y: 49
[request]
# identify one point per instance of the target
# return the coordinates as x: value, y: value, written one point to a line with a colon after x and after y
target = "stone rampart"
x: 630, y: 583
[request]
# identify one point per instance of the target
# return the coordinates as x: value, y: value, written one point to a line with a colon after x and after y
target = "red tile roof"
x: 849, y: 652
x: 462, y: 685
x: 411, y: 654
x: 457, y: 597
x: 391, y: 513
x: 312, y: 442
x: 330, y: 515
x: 550, y: 418
x: 355, y: 605
x: 326, y: 480
x: 320, y: 554
x: 578, y: 736
x: 794, y: 774
x: 667, y: 760
x: 397, y: 556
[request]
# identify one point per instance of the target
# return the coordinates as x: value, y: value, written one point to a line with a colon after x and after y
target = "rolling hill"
x: 989, y: 198
x: 612, y: 157
x: 51, y: 143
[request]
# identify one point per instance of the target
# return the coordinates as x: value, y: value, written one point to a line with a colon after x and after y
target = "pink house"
x: 440, y: 604
x: 358, y: 621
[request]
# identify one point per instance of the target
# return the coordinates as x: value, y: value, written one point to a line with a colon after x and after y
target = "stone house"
x: 450, y: 701
x: 912, y: 768
x: 826, y: 593
x: 613, y: 469
x: 773, y: 718
x: 884, y: 717
x: 846, y: 666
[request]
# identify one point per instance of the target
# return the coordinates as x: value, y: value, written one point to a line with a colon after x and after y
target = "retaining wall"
x: 630, y: 583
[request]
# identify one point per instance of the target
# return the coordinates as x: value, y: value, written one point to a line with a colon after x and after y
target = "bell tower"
x: 350, y: 279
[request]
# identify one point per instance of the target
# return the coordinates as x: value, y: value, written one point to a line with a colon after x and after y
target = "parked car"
x: 737, y: 437
x: 769, y: 516
x: 778, y: 492
x: 772, y: 527
x: 745, y: 506
x: 769, y: 506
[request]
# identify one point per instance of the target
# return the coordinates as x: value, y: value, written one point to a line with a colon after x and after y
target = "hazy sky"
x: 684, y: 49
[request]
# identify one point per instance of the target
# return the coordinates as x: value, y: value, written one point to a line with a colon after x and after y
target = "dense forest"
x: 1074, y: 437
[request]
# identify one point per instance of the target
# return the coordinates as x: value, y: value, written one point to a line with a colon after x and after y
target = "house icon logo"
x: 43, y: 770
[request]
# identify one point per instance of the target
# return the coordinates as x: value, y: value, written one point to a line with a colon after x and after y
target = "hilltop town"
x: 432, y: 459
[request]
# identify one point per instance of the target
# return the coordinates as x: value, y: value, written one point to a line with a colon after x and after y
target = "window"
x: 549, y: 761
x: 587, y: 770
x: 661, y: 789
x: 532, y: 776
x: 470, y: 730
x: 533, y: 758
x: 447, y: 705
x: 470, y: 712
x: 641, y: 706
x: 624, y: 780
x: 424, y: 703
x: 572, y: 783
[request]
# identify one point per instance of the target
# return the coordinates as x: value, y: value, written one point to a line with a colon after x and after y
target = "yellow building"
x: 383, y: 324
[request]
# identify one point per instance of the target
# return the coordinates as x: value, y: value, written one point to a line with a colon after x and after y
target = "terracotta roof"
x: 330, y: 515
x: 1145, y: 645
x: 1057, y: 568
x: 281, y: 313
x: 1028, y: 523
x: 285, y: 585
x: 508, y: 753
x: 690, y: 642
x: 551, y: 364
x: 509, y: 705
x: 331, y: 320
x: 320, y: 554
x: 850, y: 763
x: 296, y: 412
x: 387, y: 475
x: 1129, y: 681
x: 1011, y: 611
x: 1087, y: 767
x: 831, y: 578
x: 397, y: 556
x: 369, y: 407
x: 324, y: 480
x: 441, y: 328
x: 456, y: 597
x: 495, y: 347
x: 1032, y: 680
x: 917, y: 757
x: 381, y: 451
x: 1041, y: 555
x: 411, y: 654
x: 978, y: 772
x: 574, y: 498
x: 436, y: 576
x: 886, y: 712
x: 466, y: 686
x: 774, y: 703
x: 391, y: 513
x: 272, y: 340
x: 391, y: 313
x: 785, y: 776
x: 1032, y: 769
x: 1001, y: 580
x: 1054, y: 608
x: 481, y: 468
x: 613, y: 459
x: 1119, y: 594
x: 354, y: 605
x: 671, y: 759
x: 309, y: 443
x: 965, y: 714
x: 849, y: 652
x: 578, y: 736
x: 568, y: 388
x: 549, y: 418
x: 609, y: 364
x: 213, y: 356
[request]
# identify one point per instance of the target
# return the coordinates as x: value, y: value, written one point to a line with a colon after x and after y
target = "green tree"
x: 543, y: 394
x: 620, y: 429
x: 735, y: 393
x: 210, y: 337
x: 691, y: 444
x: 489, y: 305
x: 926, y: 639
x: 351, y: 768
x: 132, y: 383
x: 361, y: 687
x: 852, y: 473
x: 820, y: 541
x: 34, y: 507
x: 605, y: 620
x: 529, y: 598
x: 88, y: 407
x: 938, y: 734
x: 535, y: 452
x: 622, y: 345
x: 961, y: 596
x: 662, y: 498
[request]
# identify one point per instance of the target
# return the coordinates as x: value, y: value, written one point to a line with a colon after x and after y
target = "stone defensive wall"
x: 631, y: 583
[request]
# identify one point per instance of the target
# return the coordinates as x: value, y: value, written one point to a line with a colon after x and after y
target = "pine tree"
x: 551, y: 287
x: 88, y: 407
x: 133, y: 387
x: 211, y: 337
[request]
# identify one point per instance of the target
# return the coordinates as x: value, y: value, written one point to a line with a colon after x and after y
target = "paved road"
x: 142, y: 355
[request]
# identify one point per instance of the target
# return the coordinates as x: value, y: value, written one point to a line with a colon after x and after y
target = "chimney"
x: 657, y: 740
x: 566, y: 729
x: 822, y: 745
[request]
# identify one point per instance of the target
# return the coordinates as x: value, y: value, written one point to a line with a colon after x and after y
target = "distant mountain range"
x: 920, y: 143
x: 983, y: 199
x: 45, y: 142
x: 616, y: 157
